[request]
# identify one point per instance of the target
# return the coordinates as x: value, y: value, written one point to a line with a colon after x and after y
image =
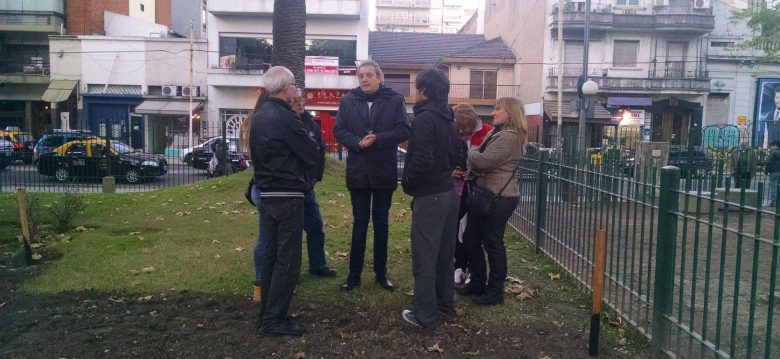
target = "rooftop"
x: 427, y: 49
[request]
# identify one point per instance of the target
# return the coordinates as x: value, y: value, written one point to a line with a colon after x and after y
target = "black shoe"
x: 469, y: 291
x: 285, y: 328
x: 385, y: 283
x: 351, y: 283
x: 324, y: 271
x: 489, y: 298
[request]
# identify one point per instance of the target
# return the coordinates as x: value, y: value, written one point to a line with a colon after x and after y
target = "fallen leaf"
x: 235, y: 212
x: 217, y: 256
x: 206, y: 221
x: 133, y: 272
x: 80, y: 229
x: 36, y: 257
x: 238, y: 249
x: 459, y: 312
x: 554, y: 276
x: 145, y: 298
x: 36, y: 245
x: 154, y: 313
x: 115, y: 300
x: 300, y: 355
x: 214, y: 241
x: 546, y: 357
x: 342, y: 255
x: 148, y: 270
x: 135, y: 282
x: 435, y: 348
x: 133, y: 233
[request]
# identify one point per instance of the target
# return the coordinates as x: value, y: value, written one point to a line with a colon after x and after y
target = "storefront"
x: 323, y: 104
x: 167, y: 126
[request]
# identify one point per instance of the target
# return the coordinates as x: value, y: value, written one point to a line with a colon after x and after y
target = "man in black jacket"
x: 312, y: 218
x: 432, y: 157
x: 371, y: 122
x: 773, y: 170
x: 283, y: 151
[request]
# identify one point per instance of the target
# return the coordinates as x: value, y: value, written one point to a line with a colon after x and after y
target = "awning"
x: 21, y: 92
x: 570, y: 113
x: 163, y: 107
x: 59, y: 90
x: 629, y: 102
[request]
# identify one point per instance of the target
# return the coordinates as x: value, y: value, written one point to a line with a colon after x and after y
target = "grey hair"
x: 276, y: 78
x: 299, y: 92
x: 376, y: 67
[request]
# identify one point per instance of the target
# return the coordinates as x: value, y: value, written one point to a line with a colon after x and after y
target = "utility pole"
x: 559, y: 128
x: 583, y: 78
x: 189, y: 127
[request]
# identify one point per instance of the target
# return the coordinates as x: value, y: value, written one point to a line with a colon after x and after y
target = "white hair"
x: 276, y: 78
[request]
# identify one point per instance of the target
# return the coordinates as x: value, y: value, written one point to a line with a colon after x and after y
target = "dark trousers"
x: 461, y: 255
x: 281, y: 259
x: 742, y: 179
x: 433, y: 244
x: 485, y: 234
x: 312, y: 224
x: 375, y: 205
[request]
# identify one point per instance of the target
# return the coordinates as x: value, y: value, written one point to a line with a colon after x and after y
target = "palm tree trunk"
x: 289, y: 36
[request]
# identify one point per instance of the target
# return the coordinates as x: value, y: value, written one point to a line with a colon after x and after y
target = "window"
x: 400, y: 17
x: 244, y: 53
x: 400, y: 83
x: 483, y: 84
x: 722, y: 44
x: 627, y: 2
x: 422, y: 3
x: 345, y: 50
x: 233, y: 118
x: 142, y: 7
x: 421, y: 18
x: 572, y: 52
x: 625, y: 53
x: 384, y: 16
x: 97, y: 150
x: 77, y: 149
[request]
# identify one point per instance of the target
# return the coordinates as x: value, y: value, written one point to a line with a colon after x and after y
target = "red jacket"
x: 479, y: 136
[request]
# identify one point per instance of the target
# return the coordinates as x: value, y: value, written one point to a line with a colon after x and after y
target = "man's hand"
x: 367, y: 141
x: 459, y: 173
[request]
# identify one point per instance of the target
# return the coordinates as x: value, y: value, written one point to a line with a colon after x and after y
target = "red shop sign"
x: 324, y: 97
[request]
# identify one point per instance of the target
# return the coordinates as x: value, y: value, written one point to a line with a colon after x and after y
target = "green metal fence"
x: 692, y: 265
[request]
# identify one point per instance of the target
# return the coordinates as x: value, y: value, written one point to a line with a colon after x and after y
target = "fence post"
x: 541, y: 200
x: 223, y: 150
x: 666, y: 239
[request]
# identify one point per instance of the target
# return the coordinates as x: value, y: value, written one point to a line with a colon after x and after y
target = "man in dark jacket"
x: 432, y: 157
x: 773, y: 170
x: 283, y: 151
x: 312, y: 218
x: 371, y: 122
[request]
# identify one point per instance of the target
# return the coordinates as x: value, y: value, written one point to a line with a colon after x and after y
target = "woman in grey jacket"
x: 494, y: 164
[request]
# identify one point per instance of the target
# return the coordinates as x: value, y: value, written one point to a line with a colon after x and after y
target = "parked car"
x: 56, y: 138
x: 6, y: 153
x: 400, y: 160
x: 186, y: 154
x: 89, y: 159
x: 23, y: 143
x: 200, y: 156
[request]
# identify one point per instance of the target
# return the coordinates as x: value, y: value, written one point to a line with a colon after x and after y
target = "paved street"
x: 27, y: 176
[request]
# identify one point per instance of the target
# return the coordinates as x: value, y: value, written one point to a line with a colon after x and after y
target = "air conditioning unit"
x: 186, y: 90
x: 169, y: 90
x: 661, y: 2
x: 701, y: 4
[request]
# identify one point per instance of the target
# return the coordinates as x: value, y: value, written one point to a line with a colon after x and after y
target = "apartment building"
x: 239, y: 51
x: 24, y: 61
x: 649, y: 58
x: 87, y: 17
x: 441, y: 16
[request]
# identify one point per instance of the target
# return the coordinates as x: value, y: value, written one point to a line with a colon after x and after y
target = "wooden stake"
x: 598, y: 287
x: 20, y: 196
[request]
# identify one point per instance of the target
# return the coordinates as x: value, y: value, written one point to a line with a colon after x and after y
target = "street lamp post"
x: 583, y: 78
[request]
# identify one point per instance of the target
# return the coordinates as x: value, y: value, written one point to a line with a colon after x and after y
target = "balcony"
x: 660, y: 19
x: 673, y: 78
x: 349, y: 9
x: 40, y: 22
x: 475, y: 95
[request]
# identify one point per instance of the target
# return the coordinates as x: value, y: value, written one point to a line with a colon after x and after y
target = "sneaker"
x: 324, y: 271
x: 256, y: 294
x: 458, y: 276
x: 409, y: 317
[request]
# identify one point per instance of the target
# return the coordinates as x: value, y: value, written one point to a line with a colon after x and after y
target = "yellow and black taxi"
x: 91, y: 159
x: 23, y: 143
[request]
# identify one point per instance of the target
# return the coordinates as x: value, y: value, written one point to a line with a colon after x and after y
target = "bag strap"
x: 510, y: 178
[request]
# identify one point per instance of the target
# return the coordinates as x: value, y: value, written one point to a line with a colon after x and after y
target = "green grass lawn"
x: 200, y: 238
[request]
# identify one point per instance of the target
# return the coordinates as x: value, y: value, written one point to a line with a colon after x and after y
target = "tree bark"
x: 289, y: 37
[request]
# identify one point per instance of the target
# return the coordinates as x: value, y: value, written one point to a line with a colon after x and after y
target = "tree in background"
x: 289, y: 37
x: 763, y: 19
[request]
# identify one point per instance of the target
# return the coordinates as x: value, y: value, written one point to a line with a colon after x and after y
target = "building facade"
x: 240, y: 44
x: 134, y: 89
x: 24, y: 61
x: 441, y: 16
x: 735, y: 74
x: 87, y: 17
x: 648, y: 58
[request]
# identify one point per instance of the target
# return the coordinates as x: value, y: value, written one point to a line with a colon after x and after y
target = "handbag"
x: 482, y: 200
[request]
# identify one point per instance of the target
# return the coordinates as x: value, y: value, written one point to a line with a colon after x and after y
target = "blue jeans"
x: 312, y: 224
x: 774, y: 177
x: 375, y: 205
